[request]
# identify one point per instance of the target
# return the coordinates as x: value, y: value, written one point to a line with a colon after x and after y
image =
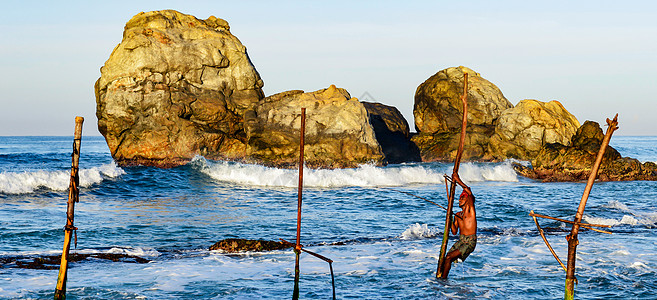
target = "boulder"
x: 243, y: 245
x: 521, y: 131
x: 392, y: 133
x: 557, y: 162
x: 338, y: 132
x: 176, y: 87
x: 438, y: 113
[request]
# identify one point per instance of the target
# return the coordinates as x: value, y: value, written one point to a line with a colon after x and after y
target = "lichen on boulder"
x: 175, y: 87
x: 438, y: 112
x: 521, y: 131
x: 338, y: 133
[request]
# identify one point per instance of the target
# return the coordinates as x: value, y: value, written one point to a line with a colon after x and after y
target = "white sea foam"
x: 364, y: 175
x: 137, y: 251
x: 615, y: 204
x: 418, y: 231
x: 633, y: 220
x: 28, y: 182
x: 477, y: 172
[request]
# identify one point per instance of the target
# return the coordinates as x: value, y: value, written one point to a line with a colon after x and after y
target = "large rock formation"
x: 175, y: 87
x: 557, y: 162
x: 338, y: 132
x: 522, y: 131
x: 438, y: 112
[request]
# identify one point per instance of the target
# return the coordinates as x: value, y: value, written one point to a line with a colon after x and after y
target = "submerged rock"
x: 338, y: 132
x: 242, y: 245
x: 557, y: 162
x: 521, y: 131
x: 175, y: 87
x: 438, y: 113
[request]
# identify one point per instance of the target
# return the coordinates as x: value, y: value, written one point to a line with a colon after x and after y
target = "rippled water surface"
x: 384, y: 242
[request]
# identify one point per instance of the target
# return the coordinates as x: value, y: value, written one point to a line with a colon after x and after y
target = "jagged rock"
x: 242, y: 245
x: 438, y: 114
x: 392, y: 133
x: 175, y: 87
x: 557, y: 162
x: 338, y: 132
x: 522, y: 131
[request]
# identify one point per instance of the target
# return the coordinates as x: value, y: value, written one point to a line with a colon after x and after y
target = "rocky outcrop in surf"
x: 496, y: 129
x: 175, y: 87
x: 438, y: 112
x: 558, y: 162
x: 521, y: 131
x: 338, y: 132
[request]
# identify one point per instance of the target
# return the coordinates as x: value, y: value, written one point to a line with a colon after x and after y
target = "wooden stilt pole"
x: 73, y: 194
x: 572, y: 238
x: 452, y: 189
x: 297, y: 247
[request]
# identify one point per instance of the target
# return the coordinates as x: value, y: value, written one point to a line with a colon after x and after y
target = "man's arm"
x: 458, y: 180
x: 455, y: 222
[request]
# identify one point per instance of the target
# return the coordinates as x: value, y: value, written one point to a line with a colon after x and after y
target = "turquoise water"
x: 384, y: 243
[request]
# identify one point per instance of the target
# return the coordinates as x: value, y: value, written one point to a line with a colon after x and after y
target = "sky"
x: 597, y: 58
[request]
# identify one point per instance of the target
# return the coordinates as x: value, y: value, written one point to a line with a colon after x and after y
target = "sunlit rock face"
x: 521, y: 131
x: 176, y: 87
x: 438, y: 113
x: 338, y: 133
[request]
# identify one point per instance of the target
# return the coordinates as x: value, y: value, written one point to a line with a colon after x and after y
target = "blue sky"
x: 597, y: 58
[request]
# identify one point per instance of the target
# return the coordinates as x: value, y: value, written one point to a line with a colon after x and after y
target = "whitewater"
x: 383, y: 241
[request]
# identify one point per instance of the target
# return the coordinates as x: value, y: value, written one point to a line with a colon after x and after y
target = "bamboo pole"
x: 572, y: 238
x: 73, y: 196
x: 297, y: 247
x: 540, y: 230
x: 452, y: 190
x: 583, y: 225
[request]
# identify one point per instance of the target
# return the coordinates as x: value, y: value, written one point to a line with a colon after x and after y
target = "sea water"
x: 384, y: 242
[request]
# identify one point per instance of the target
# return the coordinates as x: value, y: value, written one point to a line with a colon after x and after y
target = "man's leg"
x: 447, y: 263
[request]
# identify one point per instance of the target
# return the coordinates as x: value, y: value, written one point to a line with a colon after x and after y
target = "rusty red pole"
x: 297, y: 248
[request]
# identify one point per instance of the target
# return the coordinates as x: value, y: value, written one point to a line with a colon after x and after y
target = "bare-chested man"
x: 466, y: 222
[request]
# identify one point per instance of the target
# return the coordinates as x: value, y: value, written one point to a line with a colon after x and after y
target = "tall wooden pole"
x: 572, y: 238
x: 452, y: 188
x: 297, y: 248
x: 73, y: 196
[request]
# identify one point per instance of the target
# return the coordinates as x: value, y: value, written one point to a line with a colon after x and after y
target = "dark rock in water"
x: 556, y: 162
x: 175, y: 87
x: 52, y: 262
x: 242, y: 245
x: 392, y: 133
x: 438, y: 112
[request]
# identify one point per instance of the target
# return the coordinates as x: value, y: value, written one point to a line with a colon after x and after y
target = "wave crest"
x: 363, y: 176
x: 28, y: 182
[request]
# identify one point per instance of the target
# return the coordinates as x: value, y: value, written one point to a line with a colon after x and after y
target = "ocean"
x: 384, y: 242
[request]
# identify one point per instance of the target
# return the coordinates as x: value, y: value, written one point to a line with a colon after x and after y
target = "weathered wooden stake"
x: 572, y: 238
x: 452, y: 189
x: 297, y: 247
x: 73, y: 196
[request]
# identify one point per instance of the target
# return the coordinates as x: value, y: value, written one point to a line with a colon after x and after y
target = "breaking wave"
x: 419, y: 231
x: 28, y: 182
x: 363, y: 176
x: 632, y: 220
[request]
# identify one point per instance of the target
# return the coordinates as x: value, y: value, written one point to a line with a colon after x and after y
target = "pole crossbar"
x: 583, y: 225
